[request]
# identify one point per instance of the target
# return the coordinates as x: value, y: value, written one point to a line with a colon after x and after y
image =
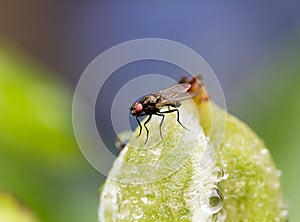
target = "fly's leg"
x: 161, y: 122
x: 174, y: 110
x: 140, y: 126
x: 147, y: 128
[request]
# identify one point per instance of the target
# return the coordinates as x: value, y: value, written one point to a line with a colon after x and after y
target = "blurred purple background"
x: 67, y: 35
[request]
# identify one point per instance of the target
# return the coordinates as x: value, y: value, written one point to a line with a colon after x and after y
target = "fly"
x: 153, y: 103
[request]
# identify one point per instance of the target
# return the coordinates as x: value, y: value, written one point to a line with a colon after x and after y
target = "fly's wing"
x: 181, y: 97
x: 177, y: 89
x: 174, y: 94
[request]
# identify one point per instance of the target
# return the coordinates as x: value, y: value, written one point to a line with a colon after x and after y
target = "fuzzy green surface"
x: 156, y: 186
x: 250, y: 187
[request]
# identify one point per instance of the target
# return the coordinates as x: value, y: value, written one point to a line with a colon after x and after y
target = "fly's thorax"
x: 149, y: 99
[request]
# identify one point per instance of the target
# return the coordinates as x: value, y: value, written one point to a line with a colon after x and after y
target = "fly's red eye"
x: 138, y: 107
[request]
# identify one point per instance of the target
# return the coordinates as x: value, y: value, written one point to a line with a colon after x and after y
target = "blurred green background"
x: 253, y: 47
x: 269, y: 102
x: 40, y: 164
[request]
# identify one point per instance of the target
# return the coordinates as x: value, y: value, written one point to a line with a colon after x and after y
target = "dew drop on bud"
x: 142, y: 153
x: 134, y: 170
x: 278, y: 173
x: 134, y: 200
x: 214, y: 203
x: 219, y: 174
x: 284, y: 213
x: 122, y: 139
x: 137, y: 213
x: 264, y: 151
x: 225, y: 176
x: 148, y: 197
x: 124, y: 210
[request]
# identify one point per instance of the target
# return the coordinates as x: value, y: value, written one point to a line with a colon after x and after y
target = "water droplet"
x: 123, y: 185
x: 284, y: 213
x: 185, y: 218
x: 142, y: 153
x: 135, y: 181
x: 137, y: 213
x: 122, y: 139
x: 155, y: 151
x: 132, y: 160
x: 124, y: 210
x: 214, y: 202
x: 264, y: 151
x: 148, y: 197
x: 269, y: 169
x: 278, y: 173
x: 276, y: 185
x: 134, y: 169
x: 218, y: 174
x: 134, y: 200
x: 225, y: 176
x: 126, y: 193
x: 105, y: 194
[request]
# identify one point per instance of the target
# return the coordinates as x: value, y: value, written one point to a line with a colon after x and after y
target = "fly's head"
x: 136, y: 109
